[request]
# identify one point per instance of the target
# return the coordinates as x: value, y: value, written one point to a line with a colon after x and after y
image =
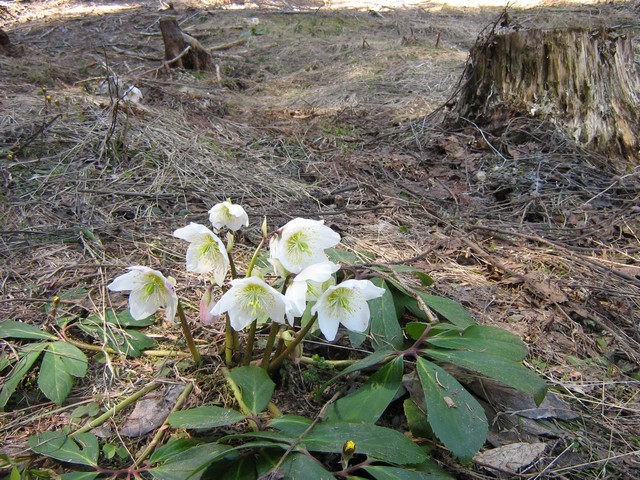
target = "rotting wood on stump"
x: 175, y: 44
x: 584, y: 80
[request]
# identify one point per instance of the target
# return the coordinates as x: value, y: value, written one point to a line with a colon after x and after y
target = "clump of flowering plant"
x: 306, y: 287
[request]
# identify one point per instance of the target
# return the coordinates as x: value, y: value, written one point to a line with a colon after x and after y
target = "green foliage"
x: 189, y: 464
x: 62, y: 361
x: 378, y: 443
x: 395, y: 473
x: 384, y: 330
x: 455, y: 416
x: 82, y: 449
x: 368, y: 403
x: 450, y: 310
x: 295, y: 465
x: 28, y: 357
x: 12, y: 329
x: 119, y: 331
x: 255, y: 386
x: 205, y: 417
x: 511, y: 373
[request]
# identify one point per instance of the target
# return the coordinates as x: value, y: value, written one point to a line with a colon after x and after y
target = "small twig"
x: 227, y: 46
x: 116, y: 408
x: 295, y: 443
x: 35, y: 134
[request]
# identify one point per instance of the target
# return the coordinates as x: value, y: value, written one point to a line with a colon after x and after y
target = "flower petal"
x: 229, y: 215
x: 301, y: 243
x: 142, y: 305
x: 192, y: 232
x: 358, y: 321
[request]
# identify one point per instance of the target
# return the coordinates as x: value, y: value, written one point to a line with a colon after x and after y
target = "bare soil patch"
x: 322, y: 113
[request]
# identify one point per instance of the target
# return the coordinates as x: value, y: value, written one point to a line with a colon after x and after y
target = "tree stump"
x: 584, y: 80
x: 6, y: 47
x: 182, y: 50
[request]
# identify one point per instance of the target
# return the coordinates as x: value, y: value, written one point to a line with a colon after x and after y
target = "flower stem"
x: 232, y: 267
x: 269, y: 348
x: 248, y: 348
x: 187, y: 335
x: 252, y: 263
x: 229, y: 342
x: 292, y: 346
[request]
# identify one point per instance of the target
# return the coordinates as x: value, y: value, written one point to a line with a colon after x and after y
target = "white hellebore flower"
x: 227, y: 214
x: 248, y: 299
x: 301, y: 243
x: 345, y: 303
x: 308, y: 285
x: 206, y: 252
x: 150, y: 290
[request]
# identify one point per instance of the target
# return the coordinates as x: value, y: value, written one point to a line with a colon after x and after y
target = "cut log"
x: 182, y: 50
x: 584, y: 80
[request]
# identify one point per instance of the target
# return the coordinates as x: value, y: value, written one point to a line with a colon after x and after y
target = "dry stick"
x: 227, y: 46
x: 160, y: 433
x: 117, y: 408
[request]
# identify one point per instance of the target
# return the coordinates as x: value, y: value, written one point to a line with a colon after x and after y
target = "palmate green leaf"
x: 205, y: 417
x: 395, y: 473
x: 483, y: 338
x: 82, y: 449
x: 190, y: 464
x: 255, y: 386
x: 376, y: 442
x: 455, y: 416
x: 13, y: 329
x: 30, y: 354
x: 510, y: 373
x: 449, y: 309
x: 370, y: 401
x: 384, y: 327
x: 294, y: 466
x: 61, y: 362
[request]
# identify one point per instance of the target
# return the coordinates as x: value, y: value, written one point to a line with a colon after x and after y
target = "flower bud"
x: 206, y: 305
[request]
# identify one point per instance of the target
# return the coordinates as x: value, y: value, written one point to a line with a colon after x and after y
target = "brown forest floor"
x: 323, y: 113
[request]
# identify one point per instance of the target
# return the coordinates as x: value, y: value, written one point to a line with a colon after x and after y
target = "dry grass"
x: 324, y: 116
